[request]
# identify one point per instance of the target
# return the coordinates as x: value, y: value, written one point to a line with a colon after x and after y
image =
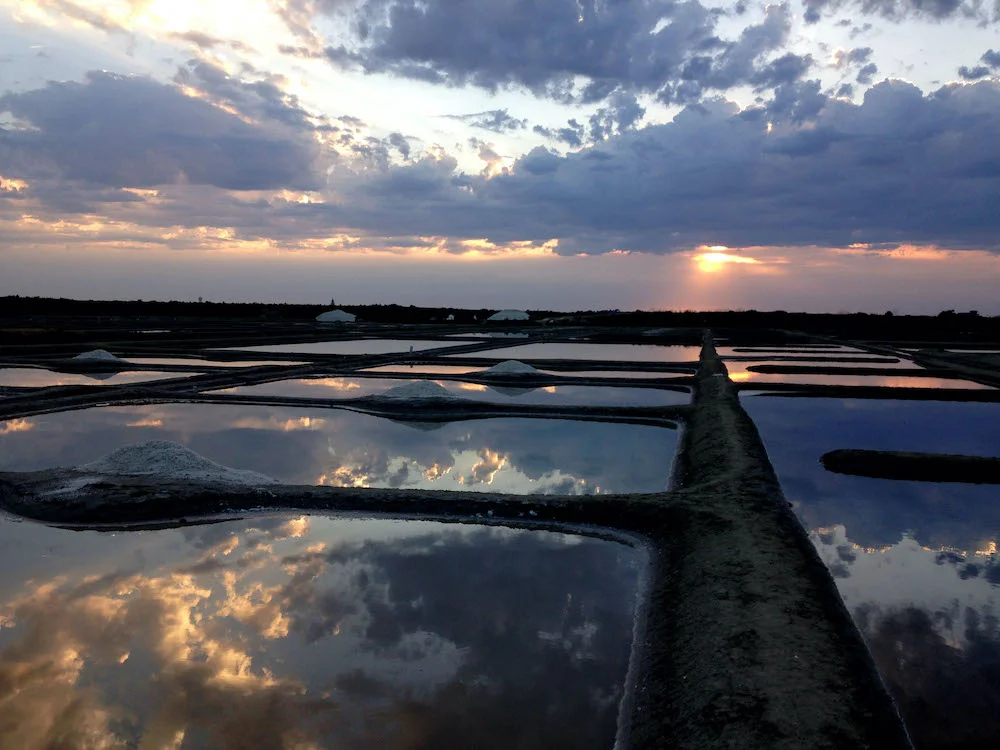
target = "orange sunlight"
x: 716, y: 257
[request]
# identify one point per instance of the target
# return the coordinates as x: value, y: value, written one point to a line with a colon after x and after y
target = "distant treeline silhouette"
x: 947, y: 325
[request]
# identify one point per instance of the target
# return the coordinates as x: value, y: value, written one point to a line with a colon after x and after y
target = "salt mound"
x: 418, y: 389
x: 336, y: 316
x: 166, y: 460
x: 509, y: 315
x: 510, y: 367
x: 98, y: 355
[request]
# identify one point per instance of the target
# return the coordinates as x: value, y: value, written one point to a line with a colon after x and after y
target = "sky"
x: 816, y: 155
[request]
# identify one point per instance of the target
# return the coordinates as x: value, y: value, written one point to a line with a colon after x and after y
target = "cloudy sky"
x: 819, y: 155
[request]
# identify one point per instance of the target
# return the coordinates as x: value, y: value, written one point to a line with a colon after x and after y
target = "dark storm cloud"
x: 540, y: 161
x: 496, y: 120
x: 662, y: 47
x: 898, y: 10
x: 831, y: 172
x: 400, y: 143
x: 990, y: 65
x: 119, y: 131
x: 262, y: 100
x: 621, y: 114
x: 572, y: 134
x: 856, y: 56
x: 786, y: 69
x: 867, y: 73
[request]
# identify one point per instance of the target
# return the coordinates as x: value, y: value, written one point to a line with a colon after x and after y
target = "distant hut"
x: 450, y: 318
x: 509, y: 315
x: 336, y: 316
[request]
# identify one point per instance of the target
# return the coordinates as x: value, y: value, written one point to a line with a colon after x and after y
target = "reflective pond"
x: 344, y: 448
x: 443, y: 369
x: 30, y: 377
x: 425, y: 369
x: 609, y: 352
x: 916, y: 562
x: 791, y: 351
x: 739, y: 373
x: 564, y: 395
x: 746, y: 360
x: 488, y: 335
x: 353, y: 346
x: 614, y: 374
x: 312, y: 632
x: 198, y: 362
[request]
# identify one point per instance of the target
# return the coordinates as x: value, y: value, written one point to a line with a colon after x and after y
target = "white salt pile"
x: 98, y: 355
x: 510, y: 367
x: 336, y: 316
x: 509, y: 315
x: 418, y: 389
x: 167, y: 460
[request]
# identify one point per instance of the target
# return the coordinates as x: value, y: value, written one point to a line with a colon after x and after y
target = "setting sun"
x: 717, y: 257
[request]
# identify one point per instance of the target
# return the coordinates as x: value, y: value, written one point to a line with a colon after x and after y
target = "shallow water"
x: 916, y: 562
x: 316, y: 632
x: 739, y: 373
x: 464, y: 370
x: 30, y: 377
x: 425, y: 369
x: 198, y: 362
x: 487, y: 335
x: 614, y: 374
x: 740, y: 363
x: 811, y: 351
x: 353, y: 346
x: 564, y: 395
x: 343, y: 448
x: 608, y: 352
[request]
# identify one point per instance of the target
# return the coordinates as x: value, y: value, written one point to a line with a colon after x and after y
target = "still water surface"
x: 609, y: 352
x: 465, y: 370
x: 344, y: 448
x: 564, y: 395
x: 354, y: 346
x: 198, y: 362
x: 312, y: 632
x: 739, y: 372
x: 916, y: 562
x: 29, y: 377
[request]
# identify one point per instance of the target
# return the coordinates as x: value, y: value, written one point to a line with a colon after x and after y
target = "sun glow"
x: 716, y: 257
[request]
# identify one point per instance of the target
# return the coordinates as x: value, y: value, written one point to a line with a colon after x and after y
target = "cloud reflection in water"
x: 321, y: 633
x: 915, y: 562
x: 330, y: 446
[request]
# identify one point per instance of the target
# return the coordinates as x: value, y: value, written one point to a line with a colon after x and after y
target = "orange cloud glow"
x: 716, y: 257
x: 902, y: 252
x: 10, y: 185
x: 15, y: 425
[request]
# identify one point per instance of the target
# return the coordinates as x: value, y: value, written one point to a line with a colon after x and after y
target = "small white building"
x: 509, y: 315
x: 336, y: 316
